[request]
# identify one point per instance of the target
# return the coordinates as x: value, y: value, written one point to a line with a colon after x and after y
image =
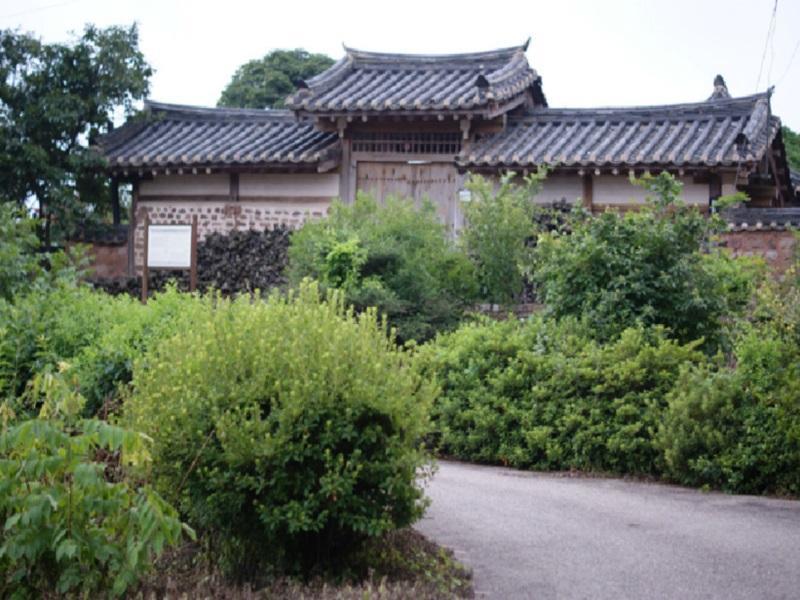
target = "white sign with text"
x: 169, y: 246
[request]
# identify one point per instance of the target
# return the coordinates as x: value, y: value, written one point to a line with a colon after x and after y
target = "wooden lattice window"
x: 407, y: 142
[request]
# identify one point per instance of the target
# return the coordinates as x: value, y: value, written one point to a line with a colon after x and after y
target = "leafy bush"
x: 18, y: 245
x: 103, y: 366
x: 392, y: 256
x: 499, y: 223
x: 544, y: 395
x: 287, y: 430
x: 646, y: 267
x: 67, y: 528
x: 48, y: 325
x: 738, y: 428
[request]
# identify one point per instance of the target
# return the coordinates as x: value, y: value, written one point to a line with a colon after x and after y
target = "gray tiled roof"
x: 758, y: 219
x: 370, y: 82
x: 712, y: 133
x: 187, y: 136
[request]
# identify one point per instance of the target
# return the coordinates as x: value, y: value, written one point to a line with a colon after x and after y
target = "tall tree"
x: 265, y: 82
x: 55, y: 100
x: 791, y: 140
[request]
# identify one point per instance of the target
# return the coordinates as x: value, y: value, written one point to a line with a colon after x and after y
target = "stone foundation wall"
x: 224, y: 216
x: 776, y: 247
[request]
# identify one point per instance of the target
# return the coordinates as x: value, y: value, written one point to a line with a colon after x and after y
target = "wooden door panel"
x: 438, y: 182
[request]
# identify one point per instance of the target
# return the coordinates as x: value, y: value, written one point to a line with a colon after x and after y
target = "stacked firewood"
x: 239, y: 261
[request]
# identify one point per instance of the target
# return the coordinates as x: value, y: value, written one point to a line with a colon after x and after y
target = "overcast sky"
x: 589, y: 53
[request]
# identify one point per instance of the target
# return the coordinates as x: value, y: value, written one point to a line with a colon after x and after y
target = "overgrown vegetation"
x: 288, y: 430
x: 545, y: 395
x: 652, y: 266
x: 611, y: 377
x: 500, y: 224
x: 396, y: 257
x: 69, y: 527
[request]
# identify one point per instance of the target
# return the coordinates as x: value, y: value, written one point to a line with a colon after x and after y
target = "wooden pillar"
x: 145, y: 270
x: 347, y: 179
x: 234, y: 187
x: 714, y: 189
x: 115, y: 210
x: 193, y: 258
x: 132, y: 229
x: 588, y: 192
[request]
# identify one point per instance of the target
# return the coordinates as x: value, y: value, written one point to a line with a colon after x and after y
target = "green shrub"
x: 18, y: 245
x: 287, y: 430
x: 499, y: 223
x: 394, y: 256
x: 545, y: 395
x: 647, y: 266
x: 738, y: 428
x: 68, y: 529
x: 50, y: 324
x: 103, y: 366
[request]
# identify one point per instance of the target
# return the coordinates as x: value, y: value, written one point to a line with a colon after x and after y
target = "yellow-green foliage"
x: 286, y: 429
x: 107, y: 363
x: 50, y: 324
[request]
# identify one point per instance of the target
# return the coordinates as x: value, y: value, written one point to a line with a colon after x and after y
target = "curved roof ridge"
x: 496, y: 54
x: 194, y: 111
x: 701, y: 106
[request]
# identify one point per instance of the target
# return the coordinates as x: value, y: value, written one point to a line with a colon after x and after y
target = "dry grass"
x: 401, y: 565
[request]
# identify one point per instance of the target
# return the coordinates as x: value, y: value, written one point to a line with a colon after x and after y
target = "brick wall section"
x: 107, y: 261
x: 777, y: 247
x: 223, y: 217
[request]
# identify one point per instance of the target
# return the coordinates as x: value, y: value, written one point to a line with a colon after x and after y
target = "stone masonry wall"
x: 224, y: 216
x: 777, y: 247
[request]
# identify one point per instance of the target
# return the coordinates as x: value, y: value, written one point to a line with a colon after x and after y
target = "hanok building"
x: 415, y: 126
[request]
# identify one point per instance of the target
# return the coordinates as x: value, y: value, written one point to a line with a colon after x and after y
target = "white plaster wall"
x: 728, y: 184
x: 289, y: 185
x: 559, y: 187
x: 611, y: 189
x: 186, y: 185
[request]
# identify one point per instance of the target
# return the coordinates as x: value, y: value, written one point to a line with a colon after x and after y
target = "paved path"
x: 532, y: 535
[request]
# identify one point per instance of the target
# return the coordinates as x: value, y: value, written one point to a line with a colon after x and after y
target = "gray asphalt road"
x: 532, y: 535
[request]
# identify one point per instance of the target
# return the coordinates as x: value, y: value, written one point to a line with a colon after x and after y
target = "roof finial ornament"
x: 526, y: 44
x: 720, y: 89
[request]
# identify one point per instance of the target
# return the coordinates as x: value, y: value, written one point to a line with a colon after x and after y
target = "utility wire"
x: 789, y: 66
x: 767, y: 42
x: 33, y: 10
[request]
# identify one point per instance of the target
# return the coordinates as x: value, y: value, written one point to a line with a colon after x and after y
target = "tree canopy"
x: 55, y: 100
x: 791, y: 140
x: 266, y: 82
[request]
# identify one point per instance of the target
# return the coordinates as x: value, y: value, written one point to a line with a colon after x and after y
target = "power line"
x: 40, y: 8
x: 770, y: 34
x: 789, y: 66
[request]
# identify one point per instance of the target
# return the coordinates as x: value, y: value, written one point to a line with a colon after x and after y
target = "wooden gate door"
x: 438, y: 182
